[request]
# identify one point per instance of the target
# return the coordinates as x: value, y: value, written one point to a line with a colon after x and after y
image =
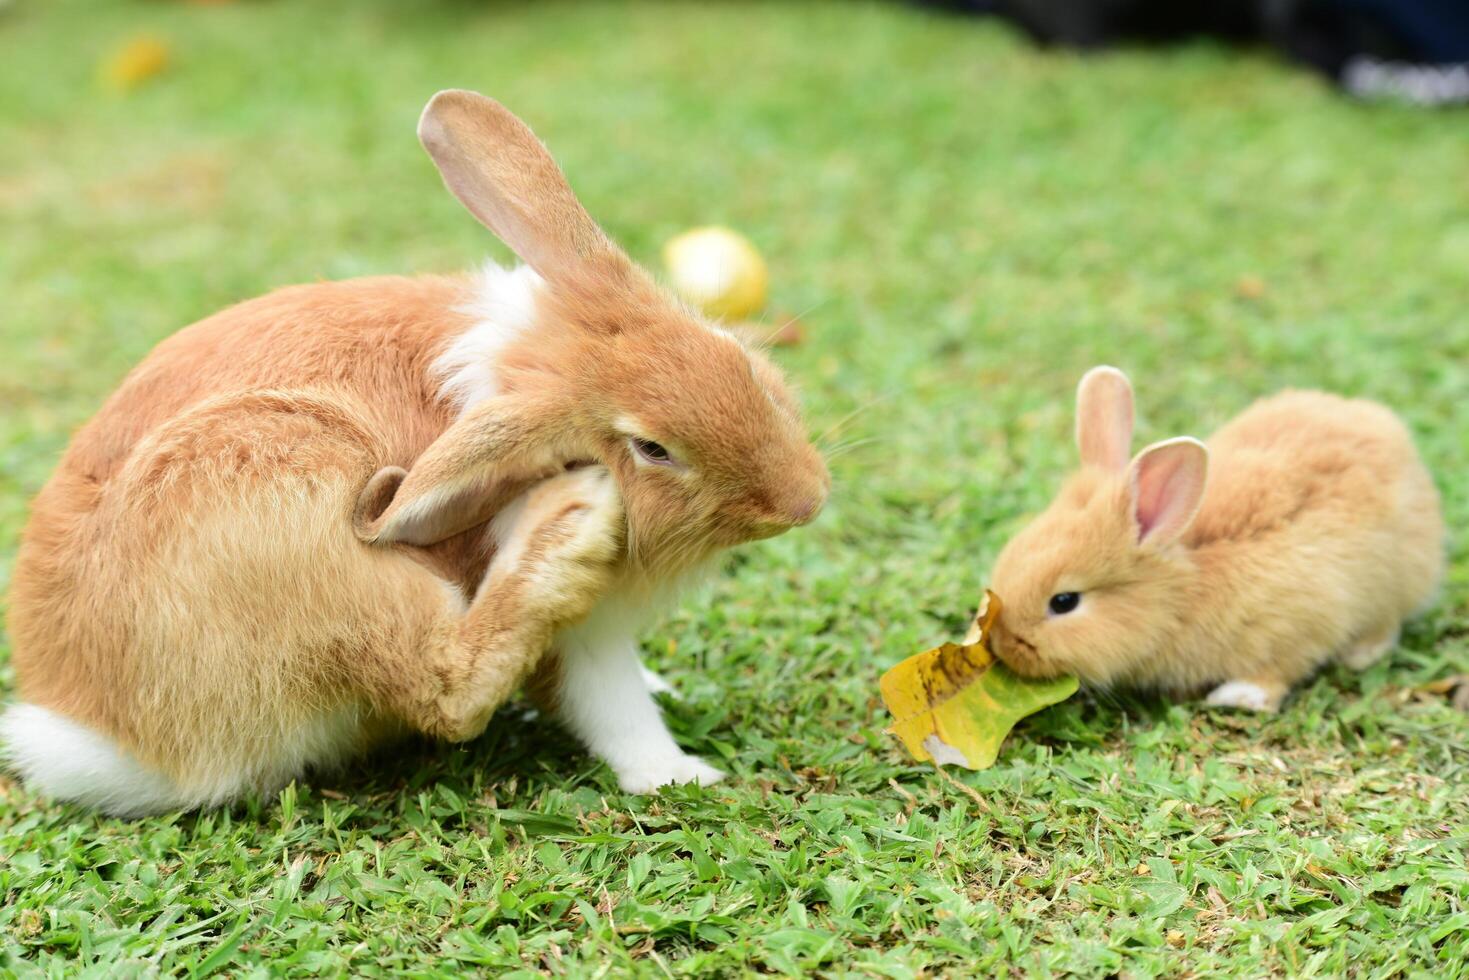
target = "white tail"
x: 67, y: 761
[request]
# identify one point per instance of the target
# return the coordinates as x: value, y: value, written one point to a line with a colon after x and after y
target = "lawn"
x: 965, y: 224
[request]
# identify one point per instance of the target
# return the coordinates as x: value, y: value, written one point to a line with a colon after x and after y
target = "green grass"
x: 967, y: 224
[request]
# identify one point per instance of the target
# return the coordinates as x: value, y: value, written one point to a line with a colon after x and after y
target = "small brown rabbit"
x: 1315, y: 533
x: 347, y: 510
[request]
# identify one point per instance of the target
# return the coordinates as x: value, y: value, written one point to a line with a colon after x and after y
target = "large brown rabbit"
x: 347, y: 510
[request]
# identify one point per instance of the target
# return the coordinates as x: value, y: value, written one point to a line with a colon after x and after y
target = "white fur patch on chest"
x: 503, y: 308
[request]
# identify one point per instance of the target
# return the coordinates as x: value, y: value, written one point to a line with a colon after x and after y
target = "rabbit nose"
x: 812, y: 499
x: 999, y: 639
x: 1015, y: 652
x: 805, y: 510
x: 792, y: 513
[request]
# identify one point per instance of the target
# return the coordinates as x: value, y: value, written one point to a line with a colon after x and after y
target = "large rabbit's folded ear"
x: 1166, y: 486
x: 1104, y: 418
x: 461, y: 479
x: 496, y: 167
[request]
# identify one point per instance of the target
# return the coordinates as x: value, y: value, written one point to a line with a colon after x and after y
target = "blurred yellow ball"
x: 719, y: 271
x: 134, y: 62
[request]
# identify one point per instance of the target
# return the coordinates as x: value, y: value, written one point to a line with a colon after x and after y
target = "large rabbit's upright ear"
x: 1166, y: 486
x: 1104, y: 418
x: 497, y: 168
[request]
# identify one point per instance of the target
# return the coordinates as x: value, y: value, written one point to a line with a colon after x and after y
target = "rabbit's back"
x: 374, y: 338
x: 1311, y: 462
x: 1320, y: 530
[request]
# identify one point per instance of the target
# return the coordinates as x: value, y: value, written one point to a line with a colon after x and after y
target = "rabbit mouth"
x: 1021, y: 656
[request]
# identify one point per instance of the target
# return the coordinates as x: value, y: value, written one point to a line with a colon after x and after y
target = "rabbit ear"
x: 1104, y: 418
x: 468, y: 472
x: 1166, y: 482
x: 496, y: 167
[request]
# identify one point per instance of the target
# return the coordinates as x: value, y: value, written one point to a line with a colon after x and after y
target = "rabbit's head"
x: 1093, y: 585
x: 704, y: 437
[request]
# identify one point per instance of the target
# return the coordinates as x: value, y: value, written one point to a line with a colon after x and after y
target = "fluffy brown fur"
x: 270, y: 548
x: 1316, y: 532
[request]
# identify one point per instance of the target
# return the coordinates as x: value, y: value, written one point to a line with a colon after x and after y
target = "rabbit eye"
x: 1064, y: 602
x: 651, y: 451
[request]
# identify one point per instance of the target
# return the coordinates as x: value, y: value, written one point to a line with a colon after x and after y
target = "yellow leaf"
x: 955, y: 704
x: 134, y: 63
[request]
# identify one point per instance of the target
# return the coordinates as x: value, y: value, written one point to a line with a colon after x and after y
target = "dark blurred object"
x: 1415, y: 50
x: 1096, y: 24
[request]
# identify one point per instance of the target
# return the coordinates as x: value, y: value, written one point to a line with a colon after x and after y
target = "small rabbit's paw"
x: 1246, y: 695
x: 646, y: 776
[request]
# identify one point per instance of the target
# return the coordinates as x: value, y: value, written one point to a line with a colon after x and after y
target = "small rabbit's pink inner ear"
x: 505, y: 176
x: 1104, y: 418
x: 1166, y: 483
